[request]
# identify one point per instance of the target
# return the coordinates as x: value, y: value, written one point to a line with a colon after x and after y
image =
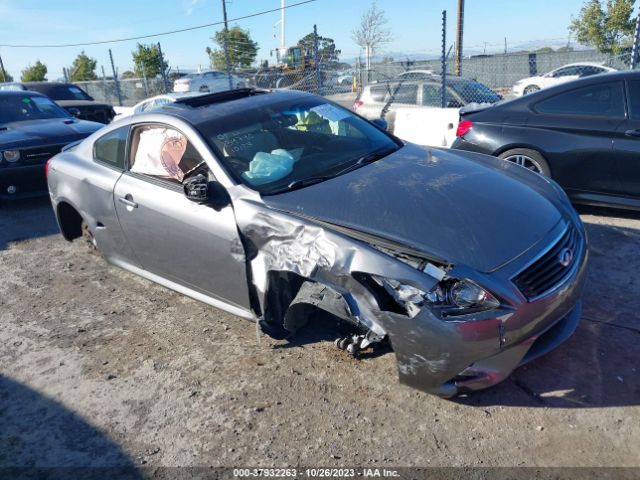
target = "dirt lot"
x: 100, y: 367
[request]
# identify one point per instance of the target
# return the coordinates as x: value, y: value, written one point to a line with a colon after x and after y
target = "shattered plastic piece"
x: 434, y: 271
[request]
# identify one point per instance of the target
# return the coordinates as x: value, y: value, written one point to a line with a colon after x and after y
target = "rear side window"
x: 634, y: 99
x: 601, y: 100
x: 111, y: 148
x: 378, y: 93
x: 406, y: 94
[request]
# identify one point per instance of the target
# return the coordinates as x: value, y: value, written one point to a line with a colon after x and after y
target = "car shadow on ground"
x: 40, y: 438
x: 26, y: 219
x: 598, y: 366
x: 321, y: 327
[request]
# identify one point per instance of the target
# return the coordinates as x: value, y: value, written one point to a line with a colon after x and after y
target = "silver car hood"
x: 461, y: 208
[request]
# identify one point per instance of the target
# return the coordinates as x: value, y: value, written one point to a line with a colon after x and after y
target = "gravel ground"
x: 100, y: 367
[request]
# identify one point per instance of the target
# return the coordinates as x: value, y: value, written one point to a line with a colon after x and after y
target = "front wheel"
x: 531, y: 89
x: 527, y: 158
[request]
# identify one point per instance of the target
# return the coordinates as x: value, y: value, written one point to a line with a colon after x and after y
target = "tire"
x: 527, y: 158
x: 204, y: 88
x: 531, y: 89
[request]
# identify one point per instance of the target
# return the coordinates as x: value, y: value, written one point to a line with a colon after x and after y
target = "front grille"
x: 552, y: 267
x: 39, y: 154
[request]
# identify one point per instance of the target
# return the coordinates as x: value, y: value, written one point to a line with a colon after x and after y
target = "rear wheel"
x: 527, y: 158
x: 531, y: 89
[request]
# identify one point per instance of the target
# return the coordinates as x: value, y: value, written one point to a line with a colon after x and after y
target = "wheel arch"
x: 69, y: 220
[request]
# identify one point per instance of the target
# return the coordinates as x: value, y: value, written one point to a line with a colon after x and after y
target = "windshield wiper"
x: 305, y: 182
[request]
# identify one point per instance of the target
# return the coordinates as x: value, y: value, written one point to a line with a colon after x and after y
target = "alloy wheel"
x: 526, y: 162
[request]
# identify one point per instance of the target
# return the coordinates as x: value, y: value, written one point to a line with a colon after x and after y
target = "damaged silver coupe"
x: 276, y: 205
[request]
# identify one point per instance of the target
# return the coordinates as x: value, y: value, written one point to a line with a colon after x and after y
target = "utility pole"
x: 226, y: 43
x: 459, y: 36
x: 283, y: 42
x: 505, y: 45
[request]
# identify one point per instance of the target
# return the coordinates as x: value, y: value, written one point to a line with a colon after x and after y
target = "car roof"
x: 204, y: 108
x: 21, y: 93
x: 434, y: 79
x: 583, y: 64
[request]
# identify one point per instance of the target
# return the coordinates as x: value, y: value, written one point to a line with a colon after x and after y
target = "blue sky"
x: 415, y: 26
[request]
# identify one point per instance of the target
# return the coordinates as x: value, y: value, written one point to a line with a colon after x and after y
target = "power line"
x: 188, y: 29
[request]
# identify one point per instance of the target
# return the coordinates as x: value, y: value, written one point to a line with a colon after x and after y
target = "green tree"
x: 146, y: 60
x: 127, y: 74
x: 609, y: 29
x: 7, y: 78
x: 242, y: 50
x: 327, y: 52
x: 34, y: 73
x: 83, y: 68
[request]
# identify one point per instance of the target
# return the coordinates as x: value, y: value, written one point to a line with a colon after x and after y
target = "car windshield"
x: 475, y: 92
x: 294, y: 143
x: 18, y: 108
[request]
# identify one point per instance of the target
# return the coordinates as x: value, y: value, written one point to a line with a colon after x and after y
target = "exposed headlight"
x: 11, y: 156
x: 449, y: 298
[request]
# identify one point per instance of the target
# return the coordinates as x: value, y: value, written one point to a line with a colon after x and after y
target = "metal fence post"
x: 65, y: 73
x: 4, y: 72
x: 226, y: 44
x: 163, y: 70
x: 444, y: 59
x: 316, y: 57
x: 115, y: 78
x: 636, y: 45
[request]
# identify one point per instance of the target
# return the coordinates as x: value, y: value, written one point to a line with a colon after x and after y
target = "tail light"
x: 357, y: 105
x: 46, y: 167
x: 464, y: 127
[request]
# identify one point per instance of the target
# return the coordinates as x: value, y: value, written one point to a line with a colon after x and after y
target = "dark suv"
x: 70, y: 97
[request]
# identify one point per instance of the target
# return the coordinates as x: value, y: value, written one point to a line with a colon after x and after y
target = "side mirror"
x: 74, y: 111
x: 381, y: 123
x: 199, y: 189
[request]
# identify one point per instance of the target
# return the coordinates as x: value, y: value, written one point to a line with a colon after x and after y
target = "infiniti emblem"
x: 565, y: 257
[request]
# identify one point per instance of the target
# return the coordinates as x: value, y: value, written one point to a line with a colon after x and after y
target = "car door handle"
x: 128, y: 201
x: 632, y: 133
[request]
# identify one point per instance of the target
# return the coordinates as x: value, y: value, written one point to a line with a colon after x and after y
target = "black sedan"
x: 70, y: 97
x: 585, y: 134
x: 32, y: 130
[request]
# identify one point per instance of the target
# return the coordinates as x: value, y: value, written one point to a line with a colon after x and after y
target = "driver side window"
x: 163, y: 153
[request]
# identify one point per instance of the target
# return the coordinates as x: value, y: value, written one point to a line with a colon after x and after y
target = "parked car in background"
x: 70, y: 97
x: 209, y: 81
x: 413, y: 108
x: 469, y: 266
x: 151, y: 104
x: 560, y: 75
x: 32, y: 130
x: 416, y: 75
x: 584, y: 134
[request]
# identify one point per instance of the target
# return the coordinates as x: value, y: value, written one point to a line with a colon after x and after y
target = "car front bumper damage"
x: 286, y: 256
